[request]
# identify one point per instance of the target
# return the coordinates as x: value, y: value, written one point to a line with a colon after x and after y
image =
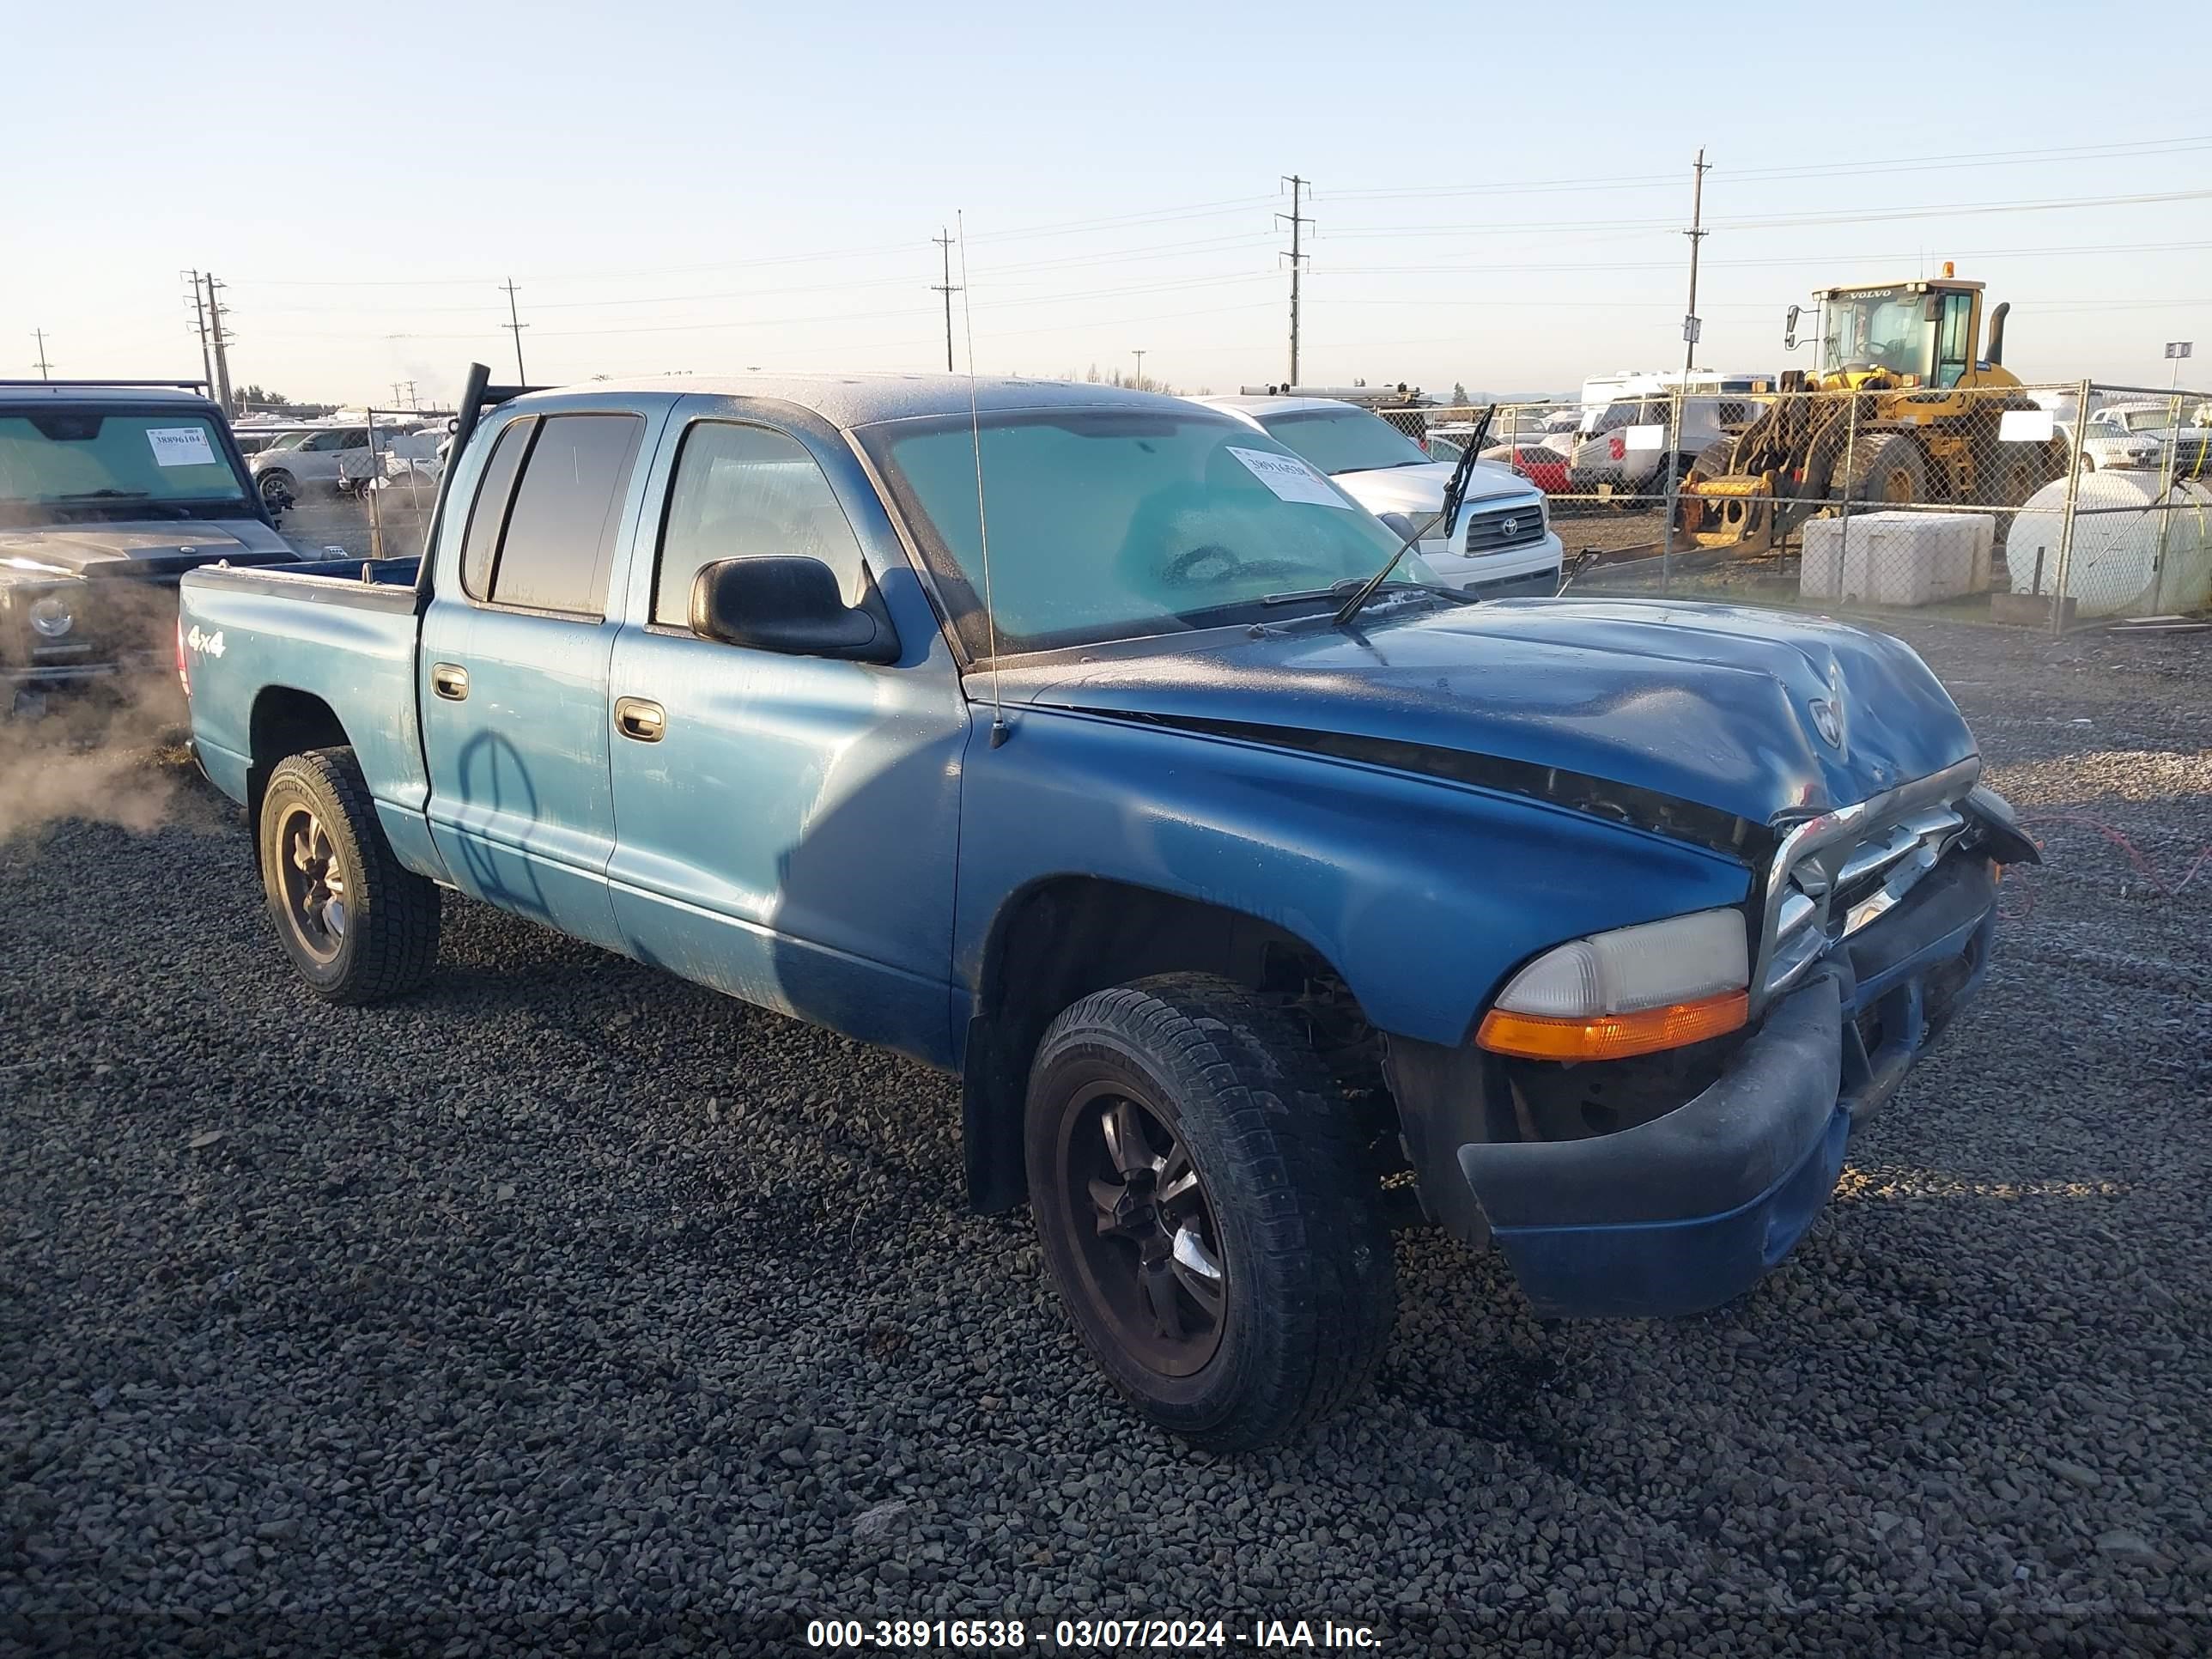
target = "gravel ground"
x: 568, y: 1308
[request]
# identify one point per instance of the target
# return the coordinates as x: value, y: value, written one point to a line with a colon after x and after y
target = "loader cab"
x: 1917, y: 334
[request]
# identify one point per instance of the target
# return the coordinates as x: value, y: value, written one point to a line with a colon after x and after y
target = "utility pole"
x: 199, y: 312
x: 220, y: 341
x: 413, y: 402
x: 1139, y: 353
x: 947, y: 288
x: 1696, y: 233
x: 1691, y: 329
x: 1299, y: 222
x: 514, y: 322
x: 43, y: 365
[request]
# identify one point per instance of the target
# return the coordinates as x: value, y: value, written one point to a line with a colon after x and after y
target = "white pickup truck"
x: 1502, y: 545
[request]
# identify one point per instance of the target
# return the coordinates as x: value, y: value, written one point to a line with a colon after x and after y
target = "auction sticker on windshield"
x: 180, y: 445
x: 1289, y: 478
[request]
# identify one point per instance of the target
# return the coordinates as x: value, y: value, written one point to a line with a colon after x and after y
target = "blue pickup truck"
x: 1018, y: 725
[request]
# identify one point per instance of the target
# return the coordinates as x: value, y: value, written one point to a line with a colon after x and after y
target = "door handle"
x: 636, y: 717
x: 450, y: 681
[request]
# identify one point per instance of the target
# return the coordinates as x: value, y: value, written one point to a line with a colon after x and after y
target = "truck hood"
x: 1416, y: 489
x: 162, y: 546
x: 1737, y: 713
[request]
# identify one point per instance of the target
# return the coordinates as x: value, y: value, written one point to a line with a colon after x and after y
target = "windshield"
x: 1122, y: 523
x: 1881, y: 328
x: 113, y: 462
x: 2147, y: 420
x: 1344, y: 439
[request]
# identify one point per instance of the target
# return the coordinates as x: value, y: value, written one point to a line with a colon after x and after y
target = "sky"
x: 1499, y: 194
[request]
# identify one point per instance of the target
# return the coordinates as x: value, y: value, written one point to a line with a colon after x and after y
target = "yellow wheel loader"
x: 1902, y: 408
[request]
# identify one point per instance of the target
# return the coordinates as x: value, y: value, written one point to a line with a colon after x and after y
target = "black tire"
x: 1883, y: 468
x: 373, y: 932
x: 1282, y: 1201
x: 1713, y: 460
x: 277, y: 488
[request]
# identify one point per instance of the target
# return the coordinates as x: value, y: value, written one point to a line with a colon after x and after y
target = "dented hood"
x: 1751, y: 714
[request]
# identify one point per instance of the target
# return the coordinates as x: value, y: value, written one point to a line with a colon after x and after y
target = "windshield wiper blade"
x: 1345, y: 588
x: 1454, y: 493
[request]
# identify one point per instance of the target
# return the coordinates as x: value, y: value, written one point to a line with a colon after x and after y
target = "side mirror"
x: 1789, y: 328
x: 1399, y: 525
x: 790, y: 605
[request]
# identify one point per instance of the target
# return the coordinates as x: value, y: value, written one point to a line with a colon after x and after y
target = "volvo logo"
x: 1827, y: 723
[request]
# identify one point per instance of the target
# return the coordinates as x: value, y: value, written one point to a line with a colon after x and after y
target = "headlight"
x: 1634, y: 991
x: 51, y: 618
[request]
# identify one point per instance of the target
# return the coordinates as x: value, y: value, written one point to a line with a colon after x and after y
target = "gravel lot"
x: 569, y: 1308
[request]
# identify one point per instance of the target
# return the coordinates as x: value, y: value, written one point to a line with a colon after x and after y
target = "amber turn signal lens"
x: 1613, y: 1036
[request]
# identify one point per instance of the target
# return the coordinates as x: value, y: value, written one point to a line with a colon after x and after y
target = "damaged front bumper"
x: 1683, y: 1212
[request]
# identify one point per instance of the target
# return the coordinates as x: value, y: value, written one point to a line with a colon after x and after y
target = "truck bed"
x: 328, y: 648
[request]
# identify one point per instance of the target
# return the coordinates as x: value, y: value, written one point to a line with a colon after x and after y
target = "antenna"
x: 982, y: 524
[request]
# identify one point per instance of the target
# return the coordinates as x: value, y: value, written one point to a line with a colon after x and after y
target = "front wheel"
x: 277, y: 490
x: 358, y: 925
x: 1207, y: 1210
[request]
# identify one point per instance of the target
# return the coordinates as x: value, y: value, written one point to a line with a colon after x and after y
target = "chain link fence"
x: 2051, y: 505
x: 354, y: 489
x: 2054, y: 506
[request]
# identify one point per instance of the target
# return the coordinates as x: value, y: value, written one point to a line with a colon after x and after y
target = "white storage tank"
x: 2118, y: 566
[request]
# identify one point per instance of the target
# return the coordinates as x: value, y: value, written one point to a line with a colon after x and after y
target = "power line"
x: 1822, y: 260
x: 1790, y: 222
x: 1072, y: 227
x: 514, y: 322
x: 948, y: 289
x: 1247, y: 241
x: 2111, y: 151
x: 1297, y: 222
x: 684, y: 325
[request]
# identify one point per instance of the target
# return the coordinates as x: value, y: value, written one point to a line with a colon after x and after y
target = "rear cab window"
x: 545, y: 540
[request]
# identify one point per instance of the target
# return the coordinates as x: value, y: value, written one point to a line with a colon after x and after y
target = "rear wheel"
x: 1883, y: 467
x: 1207, y: 1210
x: 358, y: 925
